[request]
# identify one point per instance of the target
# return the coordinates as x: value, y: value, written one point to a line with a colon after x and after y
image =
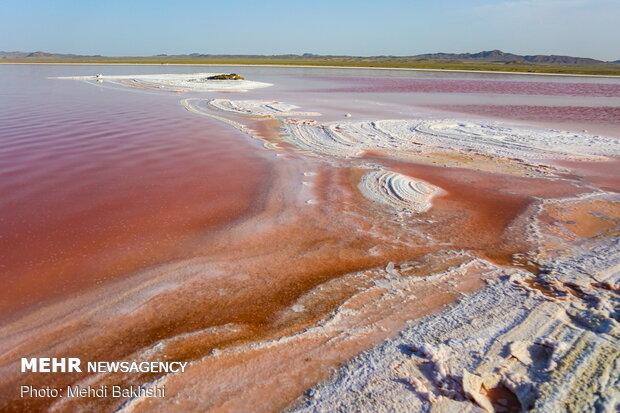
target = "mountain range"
x: 491, y: 56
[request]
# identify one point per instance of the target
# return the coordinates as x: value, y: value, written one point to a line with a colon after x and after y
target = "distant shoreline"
x: 516, y: 72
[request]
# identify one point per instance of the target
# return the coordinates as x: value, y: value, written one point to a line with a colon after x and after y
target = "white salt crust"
x: 263, y: 108
x: 398, y: 191
x: 351, y: 139
x: 185, y: 81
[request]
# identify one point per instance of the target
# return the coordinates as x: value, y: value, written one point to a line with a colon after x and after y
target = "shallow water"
x: 97, y: 182
x: 500, y: 86
x: 102, y: 184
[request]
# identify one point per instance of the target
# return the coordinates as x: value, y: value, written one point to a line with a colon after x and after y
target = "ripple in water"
x: 97, y: 183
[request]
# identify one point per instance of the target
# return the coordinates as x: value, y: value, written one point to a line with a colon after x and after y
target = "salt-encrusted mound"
x: 398, y: 191
x: 258, y: 108
x: 186, y: 81
x: 503, y: 140
x: 546, y: 343
x: 421, y: 136
x: 350, y: 139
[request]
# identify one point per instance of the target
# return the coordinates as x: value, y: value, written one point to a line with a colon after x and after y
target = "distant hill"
x: 41, y: 55
x: 497, y: 56
x: 491, y: 56
x: 493, y: 60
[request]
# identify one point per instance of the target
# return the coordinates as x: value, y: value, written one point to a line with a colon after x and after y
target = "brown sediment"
x: 250, y: 300
x: 576, y: 219
x: 267, y: 270
x: 268, y: 266
x: 236, y: 295
x: 543, y: 288
x: 270, y: 376
x: 493, y: 201
x: 587, y: 219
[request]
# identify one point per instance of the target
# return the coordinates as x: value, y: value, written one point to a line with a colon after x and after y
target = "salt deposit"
x: 350, y: 139
x: 263, y: 108
x: 504, y: 346
x: 509, y: 346
x: 404, y: 138
x: 398, y: 191
x: 175, y: 82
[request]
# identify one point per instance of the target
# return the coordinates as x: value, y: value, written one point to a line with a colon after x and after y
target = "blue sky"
x: 588, y: 28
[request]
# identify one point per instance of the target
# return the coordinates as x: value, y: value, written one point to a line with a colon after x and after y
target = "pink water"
x: 96, y: 183
x: 605, y: 114
x: 438, y: 85
x: 99, y: 182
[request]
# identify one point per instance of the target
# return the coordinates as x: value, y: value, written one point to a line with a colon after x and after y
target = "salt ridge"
x: 398, y: 191
x: 350, y: 139
x: 263, y: 108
